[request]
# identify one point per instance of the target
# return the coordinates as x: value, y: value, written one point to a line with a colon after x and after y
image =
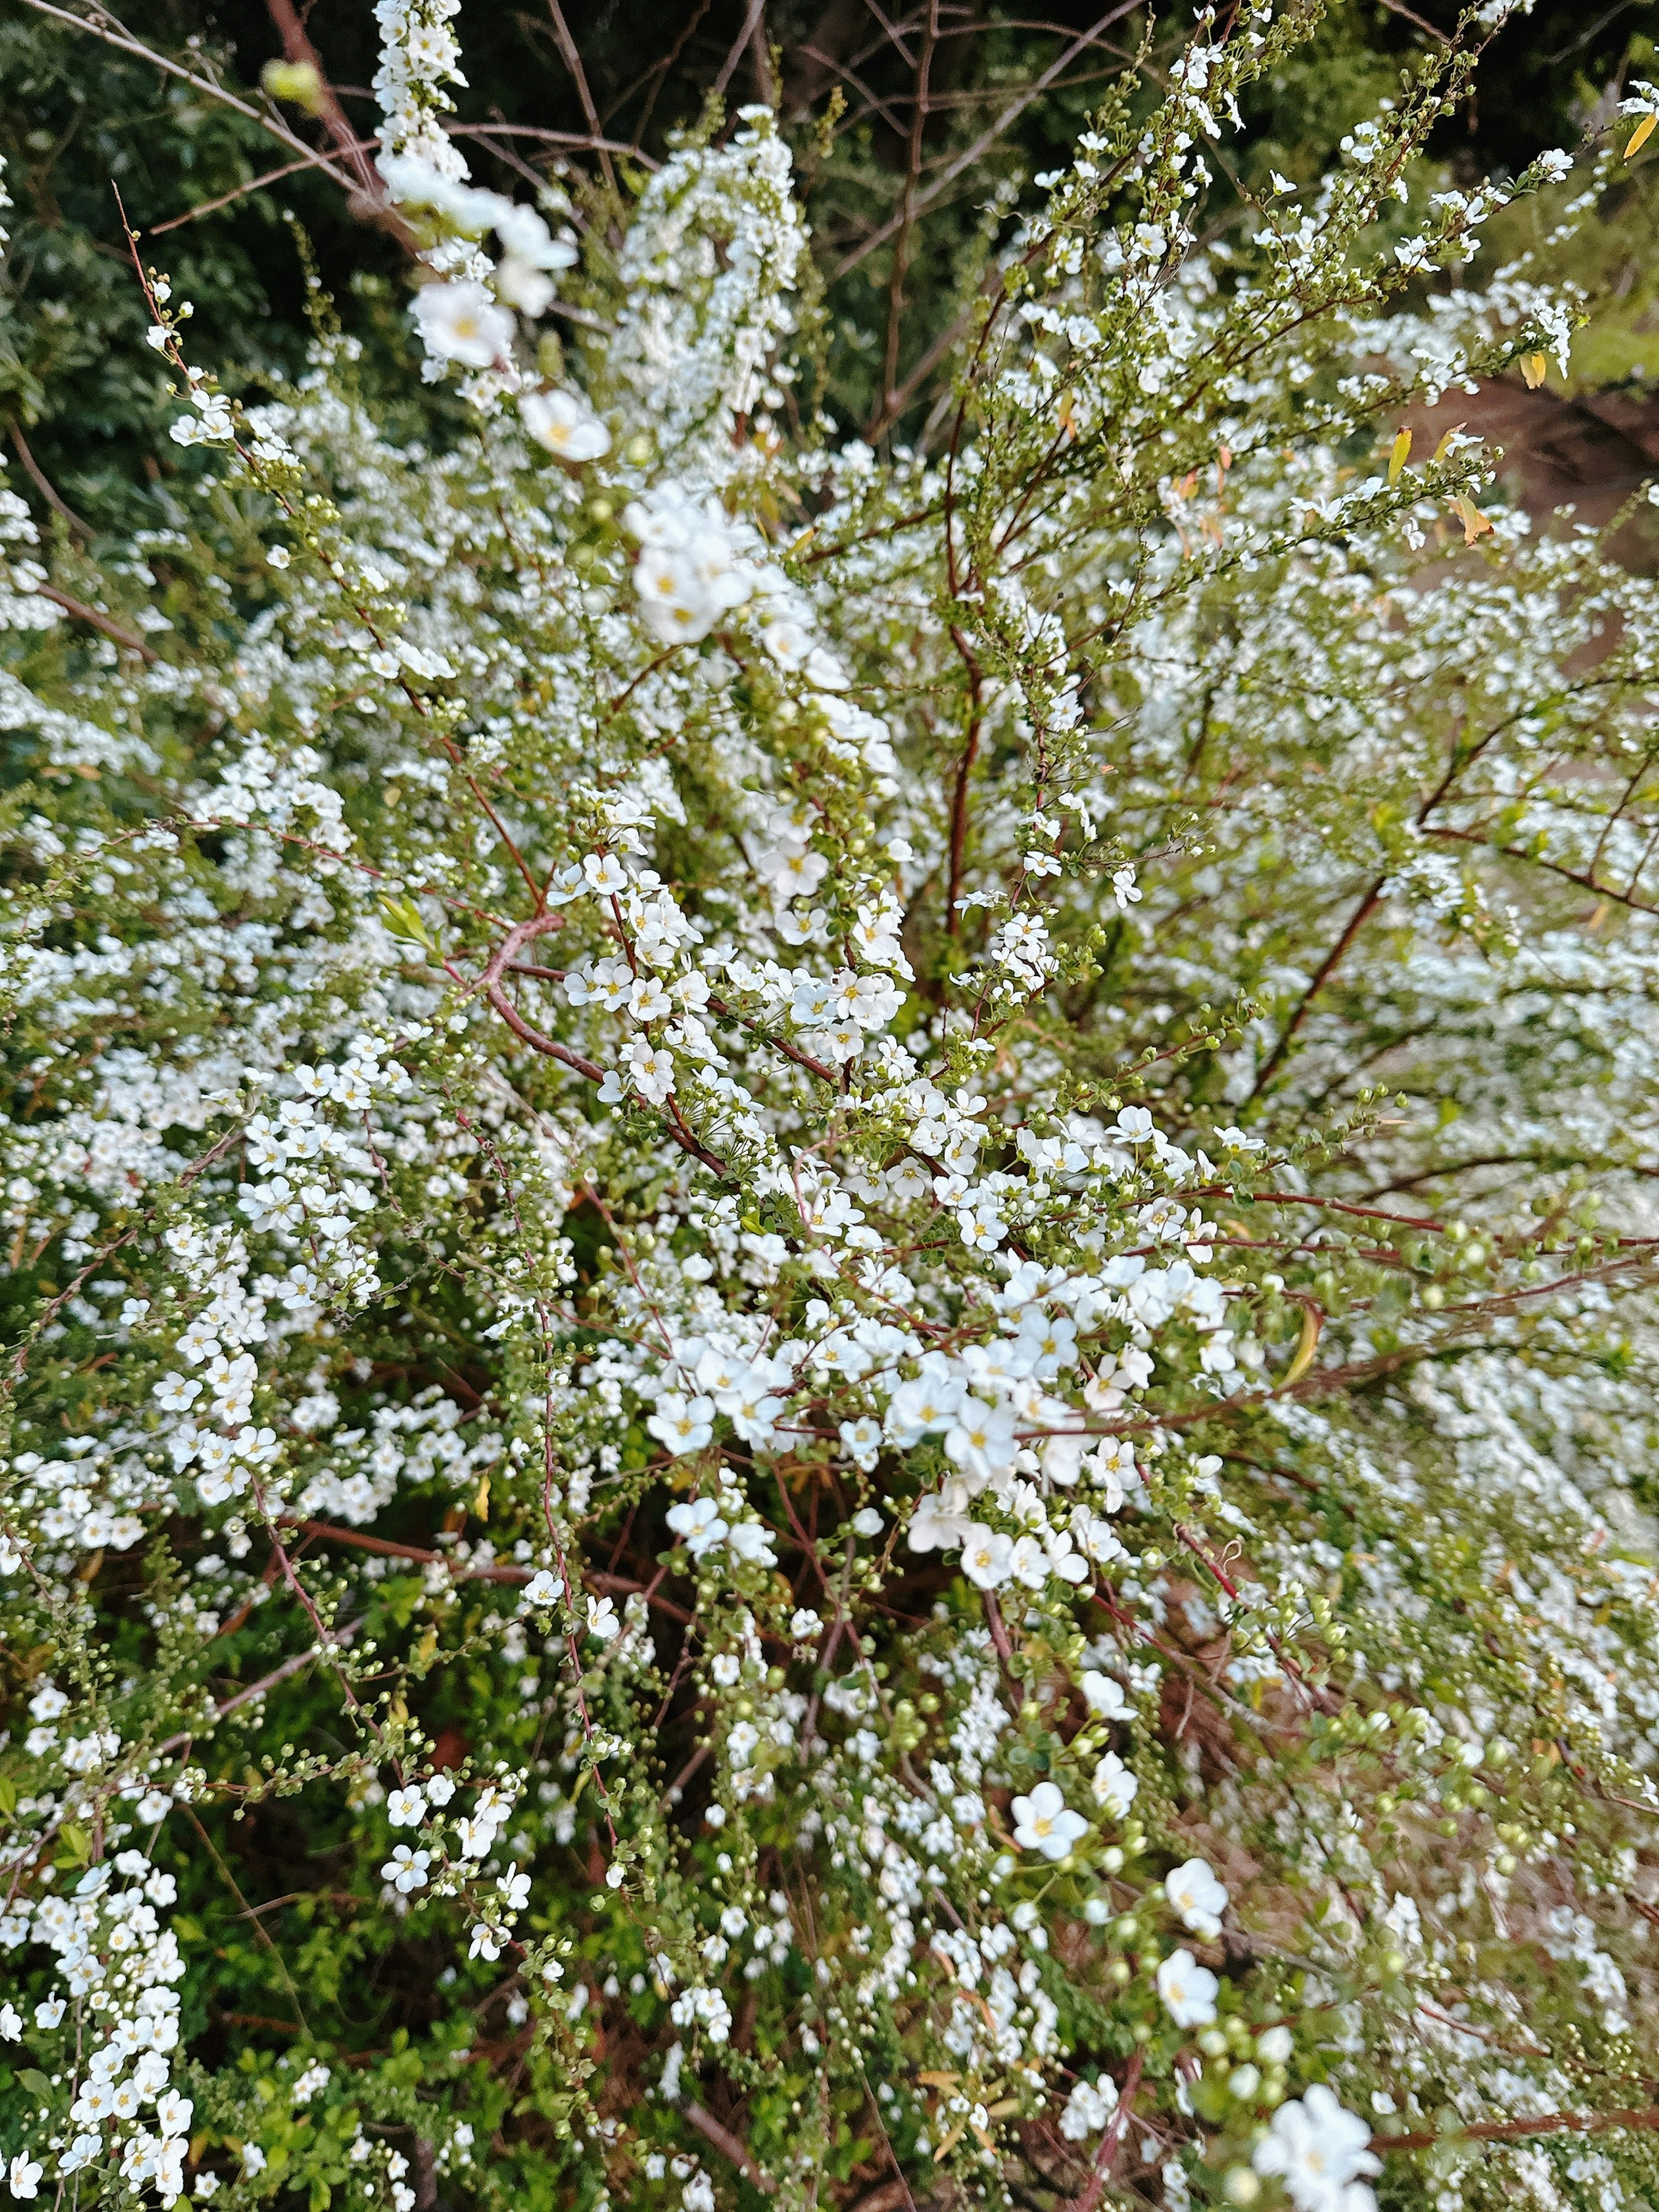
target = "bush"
x: 833, y: 1366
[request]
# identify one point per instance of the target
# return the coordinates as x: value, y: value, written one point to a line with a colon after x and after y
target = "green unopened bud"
x: 297, y: 82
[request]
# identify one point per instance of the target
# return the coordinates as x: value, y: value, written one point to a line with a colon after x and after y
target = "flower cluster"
x: 828, y: 1274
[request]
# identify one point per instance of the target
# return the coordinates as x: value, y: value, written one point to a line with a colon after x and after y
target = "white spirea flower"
x: 563, y: 422
x: 1318, y: 2150
x: 459, y: 321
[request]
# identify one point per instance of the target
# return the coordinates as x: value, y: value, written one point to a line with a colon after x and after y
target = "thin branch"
x: 114, y: 37
x: 750, y: 25
x: 1536, y: 861
x: 111, y: 627
x: 42, y: 482
x: 240, y: 192
x: 1545, y: 2123
x: 734, y: 2148
x: 1327, y: 967
x: 907, y: 213
x: 578, y: 142
x: 986, y: 139
x: 1106, y: 2156
x: 964, y: 771
x: 289, y: 1668
x: 298, y: 48
x: 572, y: 62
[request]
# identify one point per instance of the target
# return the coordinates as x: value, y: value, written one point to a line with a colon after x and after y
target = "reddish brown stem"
x: 1644, y: 2117
x: 1361, y: 914
x: 110, y: 629
x: 1106, y: 2156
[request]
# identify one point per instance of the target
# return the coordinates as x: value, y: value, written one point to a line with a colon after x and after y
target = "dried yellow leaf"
x: 1476, y: 523
x: 1312, y: 1321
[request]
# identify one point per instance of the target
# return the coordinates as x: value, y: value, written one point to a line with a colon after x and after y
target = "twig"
x: 114, y: 37
x: 1546, y: 2124
x: 297, y: 46
x: 986, y: 139
x: 290, y: 1666
x: 42, y: 482
x: 110, y: 629
x: 240, y: 192
x: 572, y: 62
x: 959, y: 797
x: 1106, y: 2156
x: 1327, y: 967
x: 750, y: 24
x: 734, y: 2148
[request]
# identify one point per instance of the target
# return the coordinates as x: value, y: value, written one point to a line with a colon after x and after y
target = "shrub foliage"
x: 831, y: 1366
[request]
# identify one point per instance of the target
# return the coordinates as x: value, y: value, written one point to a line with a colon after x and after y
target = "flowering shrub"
x: 831, y: 1366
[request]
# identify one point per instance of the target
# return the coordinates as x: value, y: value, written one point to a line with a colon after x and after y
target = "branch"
x: 113, y: 37
x: 572, y: 62
x: 110, y: 629
x: 289, y: 1666
x: 1106, y: 2156
x: 984, y: 142
x: 240, y: 192
x: 1587, y: 883
x: 1546, y: 2124
x: 959, y: 797
x: 734, y: 2148
x: 297, y: 46
x: 43, y: 483
x: 1362, y: 914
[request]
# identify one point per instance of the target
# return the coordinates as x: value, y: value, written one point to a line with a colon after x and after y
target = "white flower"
x: 174, y: 2113
x: 461, y: 322
x: 684, y: 1426
x: 602, y: 1621
x: 406, y: 1870
x: 1318, y: 2150
x: 1198, y: 1896
x: 606, y: 874
x: 1189, y: 1990
x: 23, y: 2177
x: 691, y: 570
x: 1104, y: 1695
x: 565, y: 423
x: 11, y: 2022
x: 1088, y: 2108
x: 698, y: 1520
x: 1115, y: 1786
x: 524, y: 286
x: 936, y: 1526
x: 1043, y: 1822
x: 985, y: 1555
x: 543, y: 1589
x: 405, y: 1807
x: 981, y: 1439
